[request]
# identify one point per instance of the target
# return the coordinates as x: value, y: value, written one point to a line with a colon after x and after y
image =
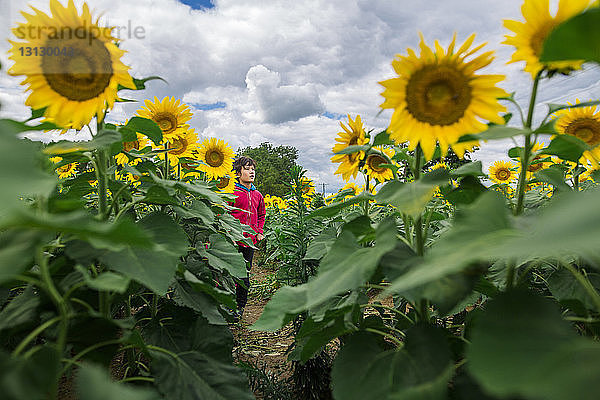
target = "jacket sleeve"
x: 261, y: 212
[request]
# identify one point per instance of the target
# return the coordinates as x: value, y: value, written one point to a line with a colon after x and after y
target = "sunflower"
x: 127, y: 177
x: 373, y: 164
x: 169, y: 115
x: 140, y: 143
x: 279, y: 202
x: 438, y: 165
x: 538, y: 162
x: 503, y: 172
x: 437, y: 97
x: 584, y: 124
x: 355, y: 189
x: 184, y: 146
x: 71, y: 64
x: 64, y: 171
x: 268, y: 201
x: 353, y: 134
x: 529, y: 36
x: 217, y: 157
x: 307, y: 187
x: 226, y: 184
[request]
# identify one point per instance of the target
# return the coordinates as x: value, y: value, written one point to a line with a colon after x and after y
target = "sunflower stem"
x: 56, y: 298
x: 102, y: 178
x: 527, y: 150
x: 576, y: 179
x: 367, y: 200
x: 418, y: 223
x: 585, y: 283
x: 167, y: 161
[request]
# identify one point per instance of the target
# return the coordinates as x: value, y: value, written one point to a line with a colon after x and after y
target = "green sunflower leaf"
x: 140, y: 84
x: 382, y: 138
x: 552, y: 108
x: 94, y: 383
x: 421, y: 370
x: 147, y: 127
x: 411, y: 198
x: 29, y: 378
x: 103, y: 140
x: 354, y: 149
x: 578, y: 38
x: 495, y: 132
x: 152, y: 266
x: 567, y: 147
x: 555, y: 176
x: 223, y: 255
x: 522, y: 347
x: 472, y: 169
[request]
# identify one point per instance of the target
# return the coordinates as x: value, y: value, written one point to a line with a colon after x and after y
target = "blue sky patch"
x: 198, y: 4
x: 331, y: 115
x: 211, y: 106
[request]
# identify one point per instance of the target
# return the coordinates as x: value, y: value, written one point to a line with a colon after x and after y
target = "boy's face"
x: 246, y: 174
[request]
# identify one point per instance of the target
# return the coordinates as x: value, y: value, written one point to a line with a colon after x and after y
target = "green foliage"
x: 273, y: 166
x: 576, y: 39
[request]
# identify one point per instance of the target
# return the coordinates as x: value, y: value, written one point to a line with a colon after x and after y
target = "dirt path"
x: 265, y: 350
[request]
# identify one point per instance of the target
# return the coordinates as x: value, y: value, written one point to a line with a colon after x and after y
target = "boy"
x: 251, y: 200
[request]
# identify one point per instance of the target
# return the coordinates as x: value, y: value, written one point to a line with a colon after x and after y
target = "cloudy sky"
x: 288, y: 71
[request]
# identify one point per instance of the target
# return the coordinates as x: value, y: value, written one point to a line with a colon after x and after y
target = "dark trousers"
x: 241, y: 292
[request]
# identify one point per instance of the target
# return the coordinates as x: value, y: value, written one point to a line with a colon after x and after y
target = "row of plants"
x: 442, y: 282
x: 118, y: 255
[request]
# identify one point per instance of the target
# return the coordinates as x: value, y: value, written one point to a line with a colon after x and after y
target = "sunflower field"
x: 118, y: 255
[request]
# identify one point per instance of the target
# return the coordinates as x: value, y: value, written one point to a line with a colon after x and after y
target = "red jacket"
x: 252, y: 201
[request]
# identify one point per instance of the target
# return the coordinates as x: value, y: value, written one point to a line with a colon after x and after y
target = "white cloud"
x: 276, y: 103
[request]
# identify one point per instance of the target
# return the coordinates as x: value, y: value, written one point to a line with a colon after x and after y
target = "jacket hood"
x: 242, y: 187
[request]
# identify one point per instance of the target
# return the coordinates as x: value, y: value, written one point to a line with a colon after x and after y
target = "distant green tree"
x: 273, y: 166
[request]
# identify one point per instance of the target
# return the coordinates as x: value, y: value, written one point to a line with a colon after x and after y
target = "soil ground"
x: 266, y: 350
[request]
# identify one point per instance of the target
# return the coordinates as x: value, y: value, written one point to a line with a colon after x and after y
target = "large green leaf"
x: 223, y: 255
x: 345, y: 267
x: 555, y: 176
x: 522, y: 347
x: 200, y: 189
x: 17, y: 250
x: 22, y: 175
x: 410, y: 198
x: 103, y: 140
x: 567, y: 147
x: 105, y: 281
x: 152, y: 266
x: 33, y: 378
x: 192, y: 359
x: 186, y: 295
x: 21, y: 311
x: 321, y: 244
x: 94, y: 383
x: 471, y: 168
x: 82, y: 225
x: 421, y: 370
x: 483, y: 233
x: 576, y: 39
x: 495, y: 132
x: 197, y: 209
x: 564, y: 287
x: 221, y: 296
x: 147, y: 127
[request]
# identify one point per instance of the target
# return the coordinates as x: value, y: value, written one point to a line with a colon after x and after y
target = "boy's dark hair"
x: 243, y: 161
